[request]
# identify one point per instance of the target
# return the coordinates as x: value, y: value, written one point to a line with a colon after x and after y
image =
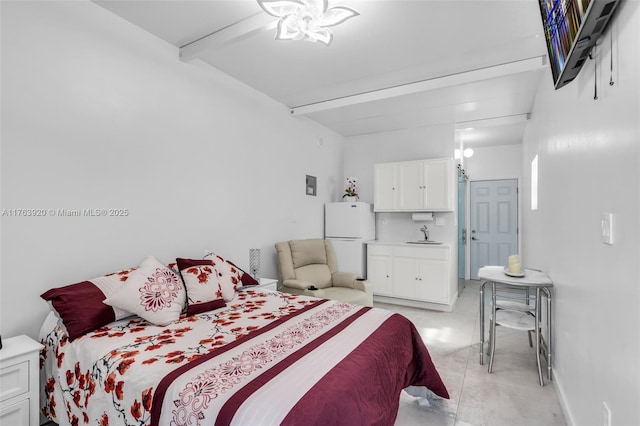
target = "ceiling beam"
x: 493, y: 121
x: 501, y: 70
x: 245, y: 28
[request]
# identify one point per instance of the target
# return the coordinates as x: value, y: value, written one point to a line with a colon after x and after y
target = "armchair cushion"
x: 308, y: 252
x: 319, y: 275
x: 298, y: 284
x: 348, y: 295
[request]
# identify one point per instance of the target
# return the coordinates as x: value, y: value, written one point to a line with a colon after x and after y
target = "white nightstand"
x: 19, y: 381
x: 268, y: 284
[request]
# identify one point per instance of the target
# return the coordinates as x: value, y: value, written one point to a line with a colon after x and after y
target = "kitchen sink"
x: 423, y: 242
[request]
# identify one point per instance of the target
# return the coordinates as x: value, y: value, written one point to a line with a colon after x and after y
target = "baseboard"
x: 414, y: 303
x: 562, y: 397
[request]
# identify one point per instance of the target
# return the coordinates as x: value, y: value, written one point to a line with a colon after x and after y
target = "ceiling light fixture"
x: 306, y: 19
x: 467, y: 152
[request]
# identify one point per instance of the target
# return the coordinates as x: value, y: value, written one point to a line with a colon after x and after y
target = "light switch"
x: 439, y: 221
x: 606, y: 223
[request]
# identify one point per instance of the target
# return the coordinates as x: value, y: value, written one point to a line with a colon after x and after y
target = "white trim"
x: 418, y: 303
x: 562, y: 398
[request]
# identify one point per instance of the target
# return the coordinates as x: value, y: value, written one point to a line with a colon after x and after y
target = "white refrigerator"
x: 348, y: 226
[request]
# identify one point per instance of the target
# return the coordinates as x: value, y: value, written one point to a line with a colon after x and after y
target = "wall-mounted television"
x: 571, y: 28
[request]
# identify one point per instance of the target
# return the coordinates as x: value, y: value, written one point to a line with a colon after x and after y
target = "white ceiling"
x: 399, y: 65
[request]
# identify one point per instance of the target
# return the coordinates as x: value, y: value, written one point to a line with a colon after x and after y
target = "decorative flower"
x: 160, y: 290
x: 306, y: 19
x: 351, y: 189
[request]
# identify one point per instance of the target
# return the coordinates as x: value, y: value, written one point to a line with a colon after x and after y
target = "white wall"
x: 362, y: 152
x: 97, y: 113
x: 589, y: 159
x: 495, y: 162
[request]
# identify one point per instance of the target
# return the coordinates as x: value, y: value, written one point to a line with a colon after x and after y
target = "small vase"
x: 350, y: 199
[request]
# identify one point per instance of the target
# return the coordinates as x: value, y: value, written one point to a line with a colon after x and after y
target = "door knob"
x: 474, y: 238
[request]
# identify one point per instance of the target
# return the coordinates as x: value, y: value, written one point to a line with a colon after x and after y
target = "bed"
x: 264, y: 358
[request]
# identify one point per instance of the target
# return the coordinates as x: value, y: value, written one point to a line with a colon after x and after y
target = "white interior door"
x: 494, y: 223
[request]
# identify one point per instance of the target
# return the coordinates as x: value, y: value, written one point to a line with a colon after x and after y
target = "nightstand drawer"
x: 16, y: 414
x: 14, y: 380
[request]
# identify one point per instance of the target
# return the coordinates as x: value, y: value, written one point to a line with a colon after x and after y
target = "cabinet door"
x: 411, y: 184
x: 405, y: 280
x: 385, y: 193
x: 379, y: 269
x: 437, y: 178
x: 433, y: 281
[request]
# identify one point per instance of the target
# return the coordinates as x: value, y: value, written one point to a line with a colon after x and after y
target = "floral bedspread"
x: 252, y: 362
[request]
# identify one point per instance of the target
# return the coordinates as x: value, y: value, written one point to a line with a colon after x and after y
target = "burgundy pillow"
x: 80, y: 306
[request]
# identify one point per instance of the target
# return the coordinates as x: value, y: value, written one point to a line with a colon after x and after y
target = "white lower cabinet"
x: 413, y: 273
x: 380, y: 268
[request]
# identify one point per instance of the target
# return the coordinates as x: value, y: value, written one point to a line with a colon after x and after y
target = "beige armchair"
x: 305, y: 264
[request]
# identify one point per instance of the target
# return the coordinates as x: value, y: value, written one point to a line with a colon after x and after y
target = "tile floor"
x: 510, y: 395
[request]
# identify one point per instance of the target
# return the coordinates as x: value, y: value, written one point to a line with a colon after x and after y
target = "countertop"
x: 405, y: 244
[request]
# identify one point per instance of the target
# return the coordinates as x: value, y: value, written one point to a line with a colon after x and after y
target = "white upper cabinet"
x: 411, y: 185
x: 386, y: 193
x: 425, y: 185
x: 438, y: 186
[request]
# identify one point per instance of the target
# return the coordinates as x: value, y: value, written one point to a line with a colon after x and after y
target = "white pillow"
x: 229, y: 275
x: 153, y: 292
x: 203, y: 290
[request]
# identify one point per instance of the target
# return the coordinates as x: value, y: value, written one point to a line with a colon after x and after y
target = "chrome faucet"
x: 425, y: 231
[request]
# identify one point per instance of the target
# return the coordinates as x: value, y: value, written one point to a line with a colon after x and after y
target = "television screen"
x: 571, y: 29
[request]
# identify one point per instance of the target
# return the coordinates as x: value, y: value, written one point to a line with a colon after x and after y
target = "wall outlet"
x: 606, y: 414
x: 606, y: 224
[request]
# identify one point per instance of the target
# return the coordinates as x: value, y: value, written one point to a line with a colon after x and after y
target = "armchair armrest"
x: 365, y: 286
x: 349, y: 280
x: 298, y: 284
x: 344, y: 279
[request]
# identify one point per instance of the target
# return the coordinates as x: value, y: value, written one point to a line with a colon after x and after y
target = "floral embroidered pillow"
x: 153, y: 292
x: 203, y: 289
x: 229, y: 277
x: 80, y: 306
x: 230, y: 274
